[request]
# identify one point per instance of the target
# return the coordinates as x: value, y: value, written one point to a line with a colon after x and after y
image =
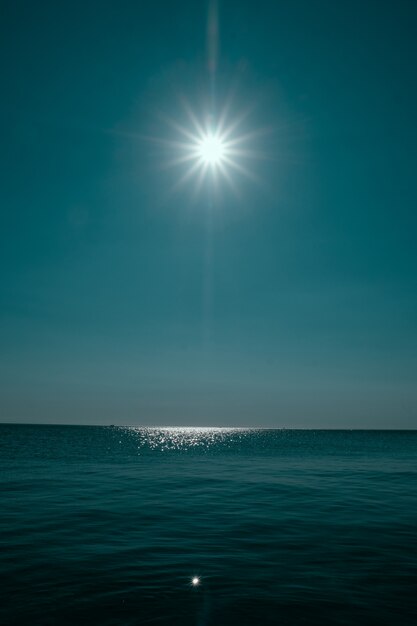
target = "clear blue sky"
x: 305, y: 313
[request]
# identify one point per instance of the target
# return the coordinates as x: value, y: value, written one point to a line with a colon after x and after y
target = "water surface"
x: 107, y: 525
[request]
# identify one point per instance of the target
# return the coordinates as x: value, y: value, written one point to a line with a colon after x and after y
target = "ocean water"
x: 108, y: 525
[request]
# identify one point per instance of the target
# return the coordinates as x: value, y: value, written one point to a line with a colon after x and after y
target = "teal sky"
x: 289, y: 302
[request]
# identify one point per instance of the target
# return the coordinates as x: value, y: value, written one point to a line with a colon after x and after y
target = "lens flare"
x: 212, y: 149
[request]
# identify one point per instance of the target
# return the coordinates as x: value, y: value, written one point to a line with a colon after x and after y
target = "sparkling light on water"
x: 186, y: 437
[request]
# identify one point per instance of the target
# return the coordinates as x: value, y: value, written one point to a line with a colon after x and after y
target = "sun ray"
x: 255, y: 134
x: 200, y: 179
x: 176, y: 126
x: 192, y: 116
x: 186, y: 176
x: 241, y: 169
x: 246, y: 154
x: 229, y: 180
x: 212, y: 147
x: 186, y: 158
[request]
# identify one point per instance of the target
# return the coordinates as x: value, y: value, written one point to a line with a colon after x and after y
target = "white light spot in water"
x: 195, y: 581
x: 169, y: 438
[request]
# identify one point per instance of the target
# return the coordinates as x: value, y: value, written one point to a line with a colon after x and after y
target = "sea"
x: 103, y: 525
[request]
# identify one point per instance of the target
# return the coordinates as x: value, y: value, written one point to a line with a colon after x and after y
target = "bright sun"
x: 211, y: 149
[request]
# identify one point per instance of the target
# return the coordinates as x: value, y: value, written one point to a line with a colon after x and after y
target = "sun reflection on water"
x: 185, y: 437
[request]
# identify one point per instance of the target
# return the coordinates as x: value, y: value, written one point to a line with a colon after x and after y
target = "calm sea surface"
x: 107, y: 525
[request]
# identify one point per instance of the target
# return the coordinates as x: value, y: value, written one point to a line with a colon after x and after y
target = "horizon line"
x: 208, y: 427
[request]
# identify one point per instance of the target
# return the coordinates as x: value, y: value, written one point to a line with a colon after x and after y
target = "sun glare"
x: 212, y: 149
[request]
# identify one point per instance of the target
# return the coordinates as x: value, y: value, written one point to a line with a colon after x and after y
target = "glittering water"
x: 207, y: 526
x: 177, y: 438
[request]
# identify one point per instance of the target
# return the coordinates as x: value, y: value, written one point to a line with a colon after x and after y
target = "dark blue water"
x: 103, y: 525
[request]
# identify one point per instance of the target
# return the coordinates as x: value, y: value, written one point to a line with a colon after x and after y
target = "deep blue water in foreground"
x: 104, y: 525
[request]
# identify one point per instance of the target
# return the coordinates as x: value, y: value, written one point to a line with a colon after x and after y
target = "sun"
x: 212, y: 149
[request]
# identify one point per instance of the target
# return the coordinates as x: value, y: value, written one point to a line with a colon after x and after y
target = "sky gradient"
x: 290, y: 301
